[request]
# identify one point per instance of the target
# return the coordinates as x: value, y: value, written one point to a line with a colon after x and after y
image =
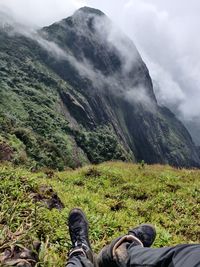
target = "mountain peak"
x: 89, y: 10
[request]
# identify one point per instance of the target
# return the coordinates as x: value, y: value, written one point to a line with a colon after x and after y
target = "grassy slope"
x: 115, y: 196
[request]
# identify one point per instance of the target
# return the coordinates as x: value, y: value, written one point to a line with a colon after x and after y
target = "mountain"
x: 78, y: 91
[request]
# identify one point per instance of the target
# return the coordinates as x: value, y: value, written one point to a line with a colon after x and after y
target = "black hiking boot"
x: 116, y: 253
x: 146, y: 233
x: 78, y: 229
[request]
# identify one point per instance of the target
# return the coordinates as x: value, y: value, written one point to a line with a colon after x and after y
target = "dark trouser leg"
x: 79, y: 261
x: 178, y: 256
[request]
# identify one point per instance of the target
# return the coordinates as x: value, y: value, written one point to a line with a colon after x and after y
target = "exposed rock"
x: 6, y: 152
x: 20, y: 256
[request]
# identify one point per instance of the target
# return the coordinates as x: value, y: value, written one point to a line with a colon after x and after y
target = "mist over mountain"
x: 166, y: 34
x: 78, y: 91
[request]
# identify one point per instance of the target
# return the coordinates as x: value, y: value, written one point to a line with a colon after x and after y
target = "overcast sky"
x: 166, y: 33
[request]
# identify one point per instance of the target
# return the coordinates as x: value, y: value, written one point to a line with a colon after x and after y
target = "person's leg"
x: 177, y: 256
x: 117, y: 253
x: 81, y: 254
x: 79, y: 261
x: 133, y: 250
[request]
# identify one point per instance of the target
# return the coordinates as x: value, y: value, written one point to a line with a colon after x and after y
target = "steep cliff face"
x: 82, y: 84
x: 117, y: 88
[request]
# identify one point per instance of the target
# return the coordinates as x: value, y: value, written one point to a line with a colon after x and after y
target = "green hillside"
x: 36, y: 129
x: 115, y: 197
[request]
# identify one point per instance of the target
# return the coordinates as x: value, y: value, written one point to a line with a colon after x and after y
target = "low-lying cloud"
x: 108, y: 33
x: 171, y: 51
x: 166, y: 34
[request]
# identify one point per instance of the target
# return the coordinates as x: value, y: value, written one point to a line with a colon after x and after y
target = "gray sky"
x: 166, y: 34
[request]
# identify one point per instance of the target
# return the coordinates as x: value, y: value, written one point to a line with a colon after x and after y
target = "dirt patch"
x: 137, y: 195
x: 79, y: 183
x: 173, y: 187
x: 143, y: 196
x: 93, y: 173
x: 114, y: 196
x: 50, y: 198
x: 117, y: 206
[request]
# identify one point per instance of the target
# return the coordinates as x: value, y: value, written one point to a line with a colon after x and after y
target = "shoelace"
x: 76, y: 232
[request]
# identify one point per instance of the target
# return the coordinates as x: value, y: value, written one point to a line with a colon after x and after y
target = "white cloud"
x: 166, y: 88
x: 167, y: 36
x: 41, y: 12
x: 139, y: 95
